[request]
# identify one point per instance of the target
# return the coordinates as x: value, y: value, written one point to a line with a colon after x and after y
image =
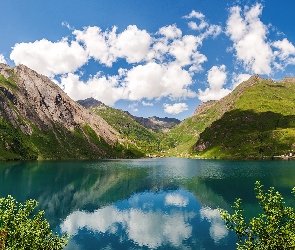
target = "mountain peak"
x: 90, y: 103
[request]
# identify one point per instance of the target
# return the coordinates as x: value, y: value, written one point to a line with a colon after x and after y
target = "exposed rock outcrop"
x: 29, y: 99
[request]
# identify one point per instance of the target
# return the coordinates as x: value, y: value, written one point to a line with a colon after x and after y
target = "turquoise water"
x: 166, y: 203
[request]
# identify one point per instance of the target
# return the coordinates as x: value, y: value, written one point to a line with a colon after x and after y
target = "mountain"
x: 256, y: 120
x: 90, y: 103
x: 154, y: 123
x: 39, y: 121
x: 140, y: 137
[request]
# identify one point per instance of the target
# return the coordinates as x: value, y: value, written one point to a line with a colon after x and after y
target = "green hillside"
x: 27, y: 137
x: 146, y: 140
x: 260, y: 124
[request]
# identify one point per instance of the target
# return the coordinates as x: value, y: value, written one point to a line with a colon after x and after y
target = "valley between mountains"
x: 39, y: 121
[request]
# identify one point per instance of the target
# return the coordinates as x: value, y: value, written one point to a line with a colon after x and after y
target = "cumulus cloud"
x: 161, y: 65
x: 218, y: 230
x: 105, y: 89
x: 175, y: 108
x: 2, y: 59
x: 149, y: 81
x: 133, y: 44
x: 285, y: 52
x: 150, y: 229
x: 170, y: 32
x: 98, y: 43
x: 50, y: 58
x: 216, y: 78
x: 249, y: 36
x: 195, y: 14
x: 154, y: 80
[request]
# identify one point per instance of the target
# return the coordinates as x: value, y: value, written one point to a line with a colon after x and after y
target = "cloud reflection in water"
x: 147, y: 219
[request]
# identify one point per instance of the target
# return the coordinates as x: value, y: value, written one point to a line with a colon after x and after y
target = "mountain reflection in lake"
x: 143, y: 204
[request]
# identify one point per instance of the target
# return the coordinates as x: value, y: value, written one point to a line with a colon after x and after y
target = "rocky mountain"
x: 256, y: 120
x: 154, y: 123
x: 38, y: 120
x: 90, y: 103
x: 146, y: 140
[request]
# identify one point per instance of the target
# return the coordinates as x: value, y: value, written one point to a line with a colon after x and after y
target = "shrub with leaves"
x: 273, y: 229
x: 21, y: 228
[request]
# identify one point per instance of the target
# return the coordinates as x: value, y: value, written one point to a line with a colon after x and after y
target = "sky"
x: 150, y: 57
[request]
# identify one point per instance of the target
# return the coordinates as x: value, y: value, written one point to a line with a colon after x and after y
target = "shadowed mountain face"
x: 90, y: 103
x: 255, y: 120
x: 38, y: 120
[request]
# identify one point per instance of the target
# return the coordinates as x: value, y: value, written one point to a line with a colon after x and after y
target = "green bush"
x: 21, y: 228
x: 273, y: 229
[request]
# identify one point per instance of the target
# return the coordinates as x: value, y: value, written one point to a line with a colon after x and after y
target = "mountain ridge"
x: 41, y: 113
x: 39, y: 121
x: 154, y: 123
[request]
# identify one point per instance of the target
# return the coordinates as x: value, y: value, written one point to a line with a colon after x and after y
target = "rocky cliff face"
x: 155, y: 123
x: 29, y: 100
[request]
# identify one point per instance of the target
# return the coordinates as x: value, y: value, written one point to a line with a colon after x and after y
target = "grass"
x: 261, y: 124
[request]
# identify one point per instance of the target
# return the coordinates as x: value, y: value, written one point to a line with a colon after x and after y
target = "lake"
x: 167, y: 203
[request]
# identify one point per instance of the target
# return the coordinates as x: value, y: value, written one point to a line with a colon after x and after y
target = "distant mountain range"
x: 39, y: 121
x: 154, y: 123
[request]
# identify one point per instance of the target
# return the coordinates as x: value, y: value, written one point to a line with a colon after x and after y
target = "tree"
x: 273, y: 229
x: 22, y: 229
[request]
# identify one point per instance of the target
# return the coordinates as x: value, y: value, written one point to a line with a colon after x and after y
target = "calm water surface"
x: 143, y: 204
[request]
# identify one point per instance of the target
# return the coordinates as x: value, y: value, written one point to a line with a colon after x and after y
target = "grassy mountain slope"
x: 187, y: 132
x: 253, y: 121
x: 261, y: 124
x: 146, y: 140
x: 39, y: 121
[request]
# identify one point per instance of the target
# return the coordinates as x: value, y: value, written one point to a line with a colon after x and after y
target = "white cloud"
x: 175, y: 108
x: 170, y: 32
x: 239, y: 78
x: 285, y: 52
x: 50, y: 58
x: 249, y: 38
x: 66, y: 24
x: 150, y: 229
x: 216, y: 78
x: 2, y: 59
x: 185, y: 49
x: 147, y: 104
x: 149, y: 81
x: 176, y: 200
x: 162, y: 64
x: 107, y: 46
x: 195, y: 26
x: 98, y: 44
x: 133, y: 44
x: 198, y: 15
x: 218, y: 230
x: 154, y: 80
x: 195, y: 14
x: 102, y: 88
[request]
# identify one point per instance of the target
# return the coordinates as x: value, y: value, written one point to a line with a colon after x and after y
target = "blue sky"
x: 150, y: 57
